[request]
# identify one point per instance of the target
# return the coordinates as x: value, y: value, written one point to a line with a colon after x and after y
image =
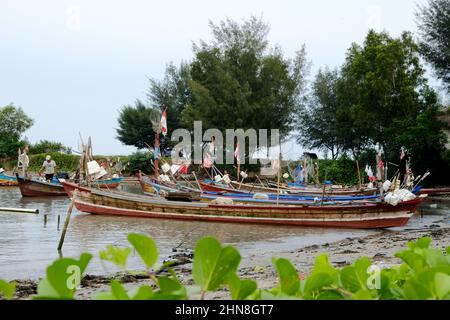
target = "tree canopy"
x: 434, y: 27
x: 380, y: 95
x: 318, y: 124
x: 135, y: 125
x: 238, y: 81
x: 13, y: 123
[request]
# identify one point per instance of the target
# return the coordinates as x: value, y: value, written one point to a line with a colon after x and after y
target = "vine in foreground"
x: 423, y: 274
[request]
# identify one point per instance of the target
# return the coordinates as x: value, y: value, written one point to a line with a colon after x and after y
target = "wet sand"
x: 379, y: 247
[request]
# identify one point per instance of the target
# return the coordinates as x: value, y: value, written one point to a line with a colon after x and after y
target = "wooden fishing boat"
x: 107, y: 183
x: 253, y: 188
x: 34, y: 188
x: 444, y: 191
x: 176, y: 191
x: 7, y: 180
x: 220, y: 188
x: 360, y: 216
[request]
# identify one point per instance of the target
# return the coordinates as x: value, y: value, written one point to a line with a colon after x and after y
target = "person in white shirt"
x: 49, y: 166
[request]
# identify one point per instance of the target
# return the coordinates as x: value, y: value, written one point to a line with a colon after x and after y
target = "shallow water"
x: 28, y: 242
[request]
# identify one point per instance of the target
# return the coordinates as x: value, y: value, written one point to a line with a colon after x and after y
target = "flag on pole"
x: 236, y: 152
x: 208, y: 161
x: 164, y: 122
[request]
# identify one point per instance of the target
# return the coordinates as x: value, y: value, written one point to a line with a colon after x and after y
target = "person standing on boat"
x: 49, y: 166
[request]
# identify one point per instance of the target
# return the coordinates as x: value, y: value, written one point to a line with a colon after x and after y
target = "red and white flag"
x: 208, y: 161
x: 236, y: 152
x: 164, y: 122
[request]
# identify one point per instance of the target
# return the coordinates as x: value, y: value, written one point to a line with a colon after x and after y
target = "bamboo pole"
x: 359, y: 173
x: 198, y: 183
x: 324, y: 185
x: 156, y: 155
x: 66, y: 225
x: 20, y: 210
x: 279, y: 177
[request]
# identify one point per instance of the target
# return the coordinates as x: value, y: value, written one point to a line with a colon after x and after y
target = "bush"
x: 45, y: 146
x: 340, y: 171
x: 140, y: 160
x: 65, y: 162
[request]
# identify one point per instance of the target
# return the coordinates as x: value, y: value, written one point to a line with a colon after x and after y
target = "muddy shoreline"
x: 379, y: 247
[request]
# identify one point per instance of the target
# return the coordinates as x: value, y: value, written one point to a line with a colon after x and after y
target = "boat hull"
x: 33, y: 188
x: 7, y: 180
x: 305, y: 191
x: 368, y: 216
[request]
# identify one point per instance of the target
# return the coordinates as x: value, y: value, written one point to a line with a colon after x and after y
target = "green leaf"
x: 240, y: 289
x: 45, y: 289
x: 424, y: 242
x: 415, y: 261
x: 415, y: 290
x: 171, y: 287
x: 145, y: 247
x: 349, y: 279
x: 362, y: 294
x: 442, y: 284
x: 322, y: 265
x: 212, y: 263
x: 316, y: 282
x: 118, y: 291
x: 116, y: 255
x: 144, y: 293
x: 7, y: 289
x: 289, y: 281
x: 104, y: 296
x: 362, y: 270
x: 63, y: 277
x: 330, y: 295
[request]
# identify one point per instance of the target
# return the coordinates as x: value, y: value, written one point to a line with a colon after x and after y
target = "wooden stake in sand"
x: 66, y: 225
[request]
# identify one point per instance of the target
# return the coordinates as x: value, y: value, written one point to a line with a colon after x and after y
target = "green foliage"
x: 380, y: 95
x: 116, y: 255
x: 145, y: 247
x: 140, y: 161
x: 423, y: 274
x: 213, y: 264
x: 239, y: 82
x: 65, y: 162
x: 340, y: 171
x: 172, y: 92
x: 318, y: 123
x: 236, y: 81
x: 63, y: 278
x: 434, y: 19
x: 45, y: 146
x: 135, y: 125
x: 9, y: 147
x: 7, y: 289
x: 13, y: 123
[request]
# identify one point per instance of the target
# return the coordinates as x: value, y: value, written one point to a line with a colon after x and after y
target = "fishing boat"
x: 36, y: 188
x: 246, y: 188
x: 443, y: 191
x: 359, y: 216
x: 107, y: 183
x: 179, y: 191
x: 7, y: 180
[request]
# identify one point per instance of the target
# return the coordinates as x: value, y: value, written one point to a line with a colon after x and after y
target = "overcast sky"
x: 72, y: 64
